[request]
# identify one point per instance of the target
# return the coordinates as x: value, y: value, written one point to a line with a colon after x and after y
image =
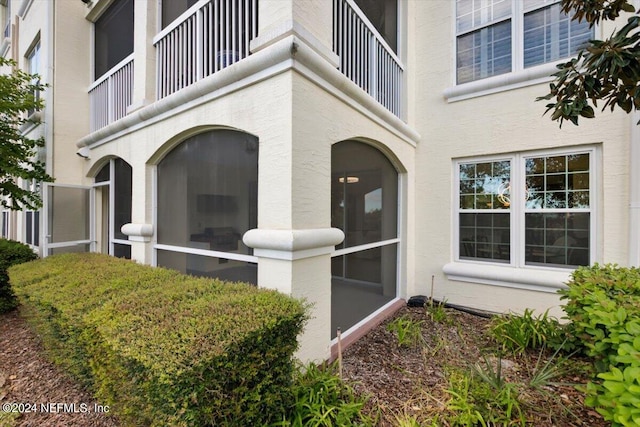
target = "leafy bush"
x: 603, y: 303
x: 323, y: 399
x: 11, y: 253
x: 517, y: 333
x: 162, y: 348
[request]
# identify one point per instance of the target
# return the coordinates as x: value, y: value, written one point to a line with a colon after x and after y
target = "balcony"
x: 365, y: 57
x: 111, y: 94
x: 207, y: 38
x: 214, y: 34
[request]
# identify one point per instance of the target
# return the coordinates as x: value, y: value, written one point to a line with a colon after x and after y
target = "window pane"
x: 5, y: 224
x: 486, y: 185
x: 121, y: 251
x: 485, y: 236
x: 208, y: 192
x: 113, y: 36
x: 364, y: 204
x: 364, y: 190
x: 484, y: 53
x: 557, y: 239
x: 550, y: 34
x: 473, y: 13
x: 122, y: 197
x: 361, y: 283
x: 28, y: 227
x: 68, y: 214
x: 551, y: 182
x: 205, y: 266
x: 36, y: 228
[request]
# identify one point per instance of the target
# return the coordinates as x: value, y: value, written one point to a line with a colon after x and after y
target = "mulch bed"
x: 408, y: 381
x: 411, y: 381
x: 46, y: 396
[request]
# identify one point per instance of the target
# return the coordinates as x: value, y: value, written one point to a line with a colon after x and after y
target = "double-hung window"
x: 7, y: 17
x: 4, y: 230
x: 32, y: 221
x: 527, y: 209
x: 499, y: 36
x: 33, y: 68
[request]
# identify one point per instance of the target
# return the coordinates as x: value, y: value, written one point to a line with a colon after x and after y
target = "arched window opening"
x: 364, y: 205
x: 207, y: 200
x: 113, y: 185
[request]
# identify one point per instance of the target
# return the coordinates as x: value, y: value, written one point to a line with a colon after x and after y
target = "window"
x: 32, y: 228
x: 7, y: 17
x: 527, y: 209
x: 207, y: 200
x: 33, y: 67
x: 4, y: 230
x: 113, y: 201
x: 32, y: 220
x: 113, y: 36
x: 489, y: 43
x: 364, y: 205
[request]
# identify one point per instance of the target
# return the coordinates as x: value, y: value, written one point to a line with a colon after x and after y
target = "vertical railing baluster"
x: 217, y: 34
x: 234, y: 34
x: 365, y: 58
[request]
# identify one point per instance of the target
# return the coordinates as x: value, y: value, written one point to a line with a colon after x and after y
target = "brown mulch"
x: 401, y: 381
x: 410, y: 382
x: 43, y: 395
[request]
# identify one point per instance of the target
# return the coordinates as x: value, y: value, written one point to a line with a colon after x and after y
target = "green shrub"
x: 11, y: 253
x: 603, y: 303
x: 517, y: 333
x: 475, y: 400
x: 161, y: 348
x: 323, y: 399
x: 407, y: 330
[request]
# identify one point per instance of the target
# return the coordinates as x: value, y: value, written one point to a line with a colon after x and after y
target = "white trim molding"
x: 501, y: 83
x: 292, y: 244
x: 138, y: 232
x: 289, y: 53
x: 537, y: 279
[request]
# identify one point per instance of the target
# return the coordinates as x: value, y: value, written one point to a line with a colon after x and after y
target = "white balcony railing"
x: 111, y: 94
x: 208, y: 37
x: 365, y: 57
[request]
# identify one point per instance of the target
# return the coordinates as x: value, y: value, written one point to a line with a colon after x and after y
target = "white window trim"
x: 518, y: 77
x: 516, y: 274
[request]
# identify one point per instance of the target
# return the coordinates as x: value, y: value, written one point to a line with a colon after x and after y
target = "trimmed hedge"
x: 162, y: 348
x: 11, y: 253
x: 604, y: 308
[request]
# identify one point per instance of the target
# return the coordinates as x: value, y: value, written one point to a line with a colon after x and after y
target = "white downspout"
x: 48, y: 115
x: 48, y: 105
x: 634, y: 191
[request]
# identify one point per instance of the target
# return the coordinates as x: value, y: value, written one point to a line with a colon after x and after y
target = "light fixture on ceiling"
x: 348, y: 179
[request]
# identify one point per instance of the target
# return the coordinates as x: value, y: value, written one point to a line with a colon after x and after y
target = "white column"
x: 144, y: 61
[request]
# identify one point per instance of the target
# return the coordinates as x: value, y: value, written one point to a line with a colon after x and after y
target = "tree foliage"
x: 606, y: 72
x: 18, y: 153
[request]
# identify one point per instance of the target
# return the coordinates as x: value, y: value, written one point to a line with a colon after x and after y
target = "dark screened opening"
x: 122, y: 197
x: 171, y: 9
x: 383, y: 14
x: 207, y: 200
x: 113, y: 36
